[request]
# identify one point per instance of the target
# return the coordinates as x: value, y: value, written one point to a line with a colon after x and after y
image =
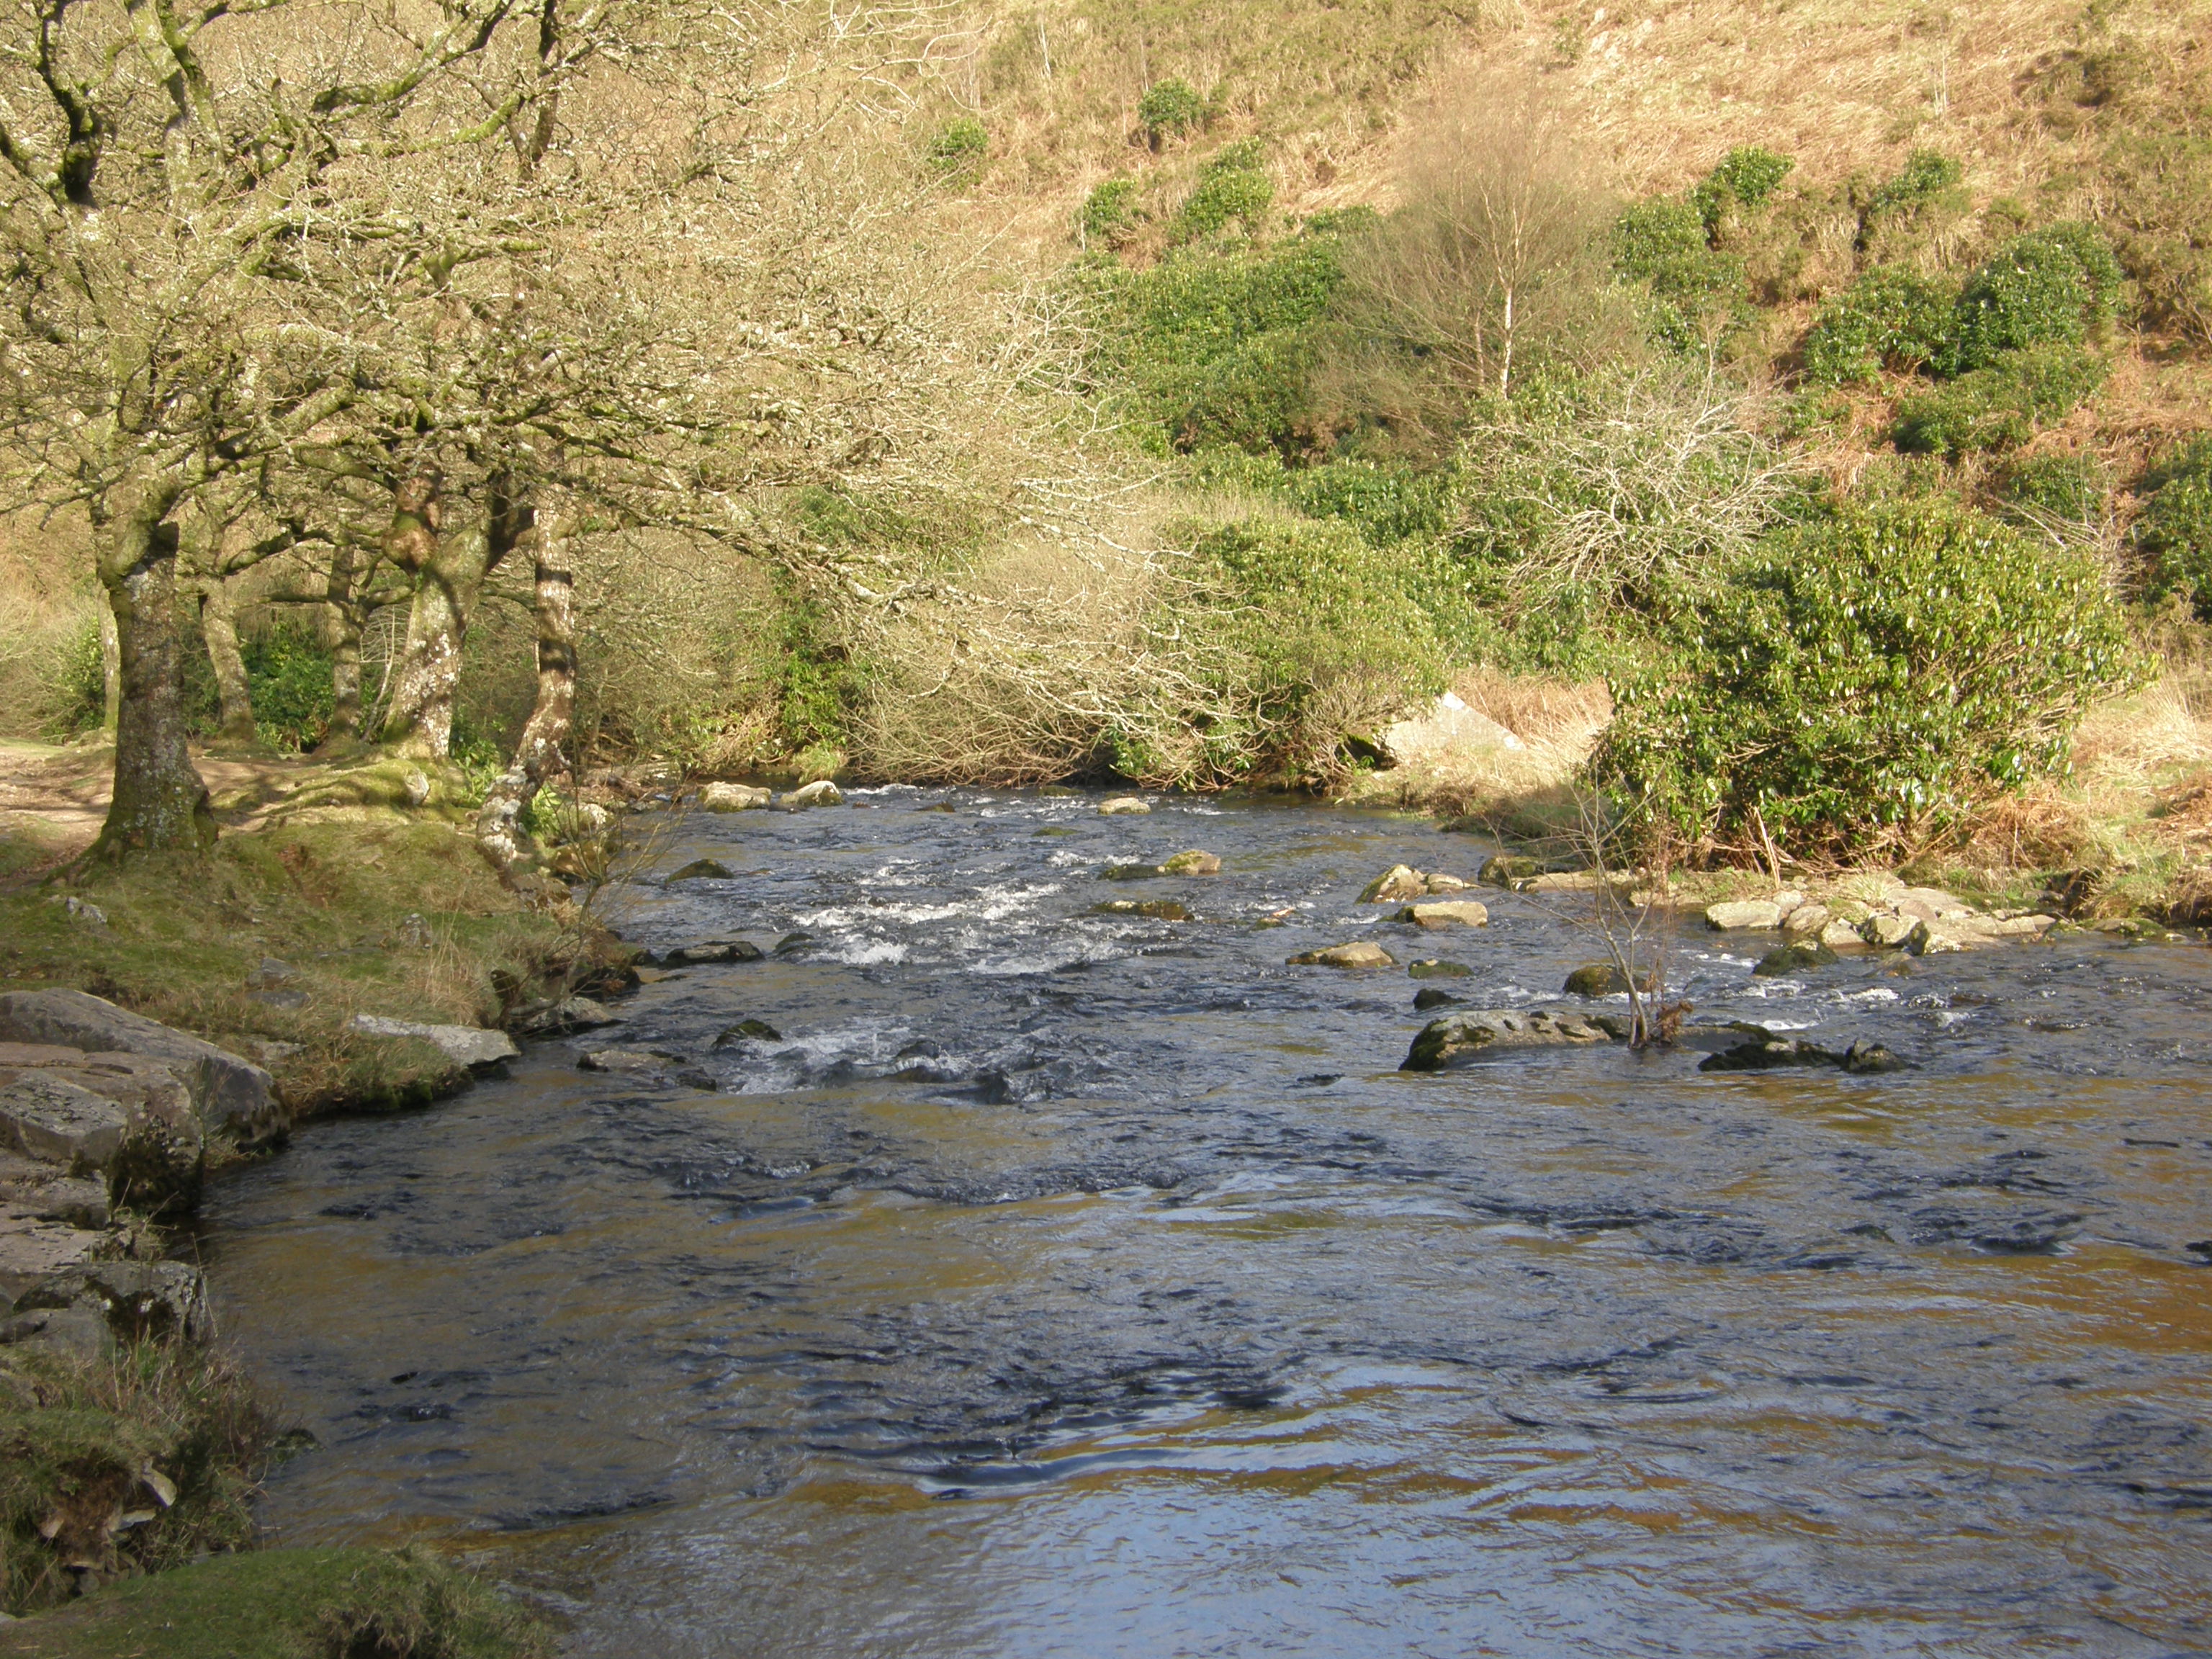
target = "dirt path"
x: 54, y: 800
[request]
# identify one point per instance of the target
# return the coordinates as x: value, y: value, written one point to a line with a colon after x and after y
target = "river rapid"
x: 1055, y: 1284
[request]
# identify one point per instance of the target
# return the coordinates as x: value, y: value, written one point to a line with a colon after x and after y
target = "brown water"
x: 1142, y: 1307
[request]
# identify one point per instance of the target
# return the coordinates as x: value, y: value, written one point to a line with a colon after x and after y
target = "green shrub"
x: 1863, y: 682
x: 1170, y: 109
x: 2049, y: 287
x: 960, y: 146
x: 2001, y: 406
x: 1231, y: 186
x: 1747, y: 176
x: 287, y: 671
x: 1926, y: 175
x: 2062, y: 488
x: 1890, y: 318
x: 76, y: 700
x: 1298, y: 631
x: 1109, y: 209
x: 2175, y: 527
x: 1698, y: 293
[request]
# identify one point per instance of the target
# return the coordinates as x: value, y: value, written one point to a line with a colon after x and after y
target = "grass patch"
x: 291, y: 1604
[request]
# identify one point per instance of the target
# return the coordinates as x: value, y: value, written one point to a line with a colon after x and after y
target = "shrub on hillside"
x: 1698, y: 293
x: 1745, y: 178
x: 1170, y: 109
x: 2058, y: 489
x: 2049, y: 287
x: 2176, y: 527
x: 1889, y: 319
x: 1999, y: 406
x: 1231, y: 188
x: 1859, y: 683
x: 959, y: 147
x: 1926, y: 175
x: 1108, y: 210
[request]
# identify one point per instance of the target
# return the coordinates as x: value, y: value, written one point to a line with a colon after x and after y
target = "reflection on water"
x: 1057, y: 1284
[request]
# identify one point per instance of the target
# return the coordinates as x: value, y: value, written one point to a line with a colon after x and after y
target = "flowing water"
x: 1073, y: 1285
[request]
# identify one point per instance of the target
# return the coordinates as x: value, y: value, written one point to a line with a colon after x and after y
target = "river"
x: 1057, y: 1284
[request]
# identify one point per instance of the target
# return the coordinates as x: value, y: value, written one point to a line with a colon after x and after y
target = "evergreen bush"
x: 1860, y: 683
x: 2176, y: 527
x: 1109, y: 209
x: 1999, y: 406
x: 1698, y: 293
x: 1169, y: 109
x: 2049, y: 287
x: 1926, y: 175
x: 1890, y: 318
x: 959, y: 148
x: 1746, y: 177
x: 1231, y: 186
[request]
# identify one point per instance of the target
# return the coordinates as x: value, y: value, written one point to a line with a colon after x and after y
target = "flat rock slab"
x: 568, y: 1014
x: 1445, y: 913
x: 1757, y: 1054
x: 1395, y: 885
x: 1457, y: 1039
x: 732, y: 798
x: 1743, y: 913
x: 32, y: 1252
x: 703, y: 870
x: 713, y: 950
x: 56, y: 1122
x: 1358, y: 955
x: 1120, y: 805
x: 465, y: 1045
x: 228, y: 1093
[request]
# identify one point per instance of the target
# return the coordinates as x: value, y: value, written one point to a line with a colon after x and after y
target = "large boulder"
x: 1448, y: 726
x: 1743, y: 913
x: 230, y: 1095
x: 129, y: 1122
x: 1459, y: 1038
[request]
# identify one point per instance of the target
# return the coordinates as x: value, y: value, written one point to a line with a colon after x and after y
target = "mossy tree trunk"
x: 542, y: 751
x: 449, y: 574
x: 219, y: 628
x: 160, y: 804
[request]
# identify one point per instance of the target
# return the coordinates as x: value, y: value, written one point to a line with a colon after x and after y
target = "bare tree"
x: 1493, y: 254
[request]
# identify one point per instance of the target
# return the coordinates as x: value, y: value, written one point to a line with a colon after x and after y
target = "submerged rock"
x: 1459, y: 1038
x: 464, y: 1045
x: 732, y: 798
x: 1192, y: 863
x: 1433, y: 996
x: 1158, y: 909
x: 1130, y: 872
x: 1437, y: 967
x: 1446, y: 912
x: 747, y: 1031
x: 628, y: 1062
x: 1605, y: 979
x: 704, y: 870
x: 567, y: 1014
x: 1763, y: 1052
x: 713, y: 950
x: 1795, y: 958
x: 1359, y: 954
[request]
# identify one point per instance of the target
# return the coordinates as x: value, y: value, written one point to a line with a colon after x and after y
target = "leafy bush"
x: 1698, y: 293
x: 287, y: 671
x: 1170, y: 109
x: 1863, y: 682
x: 1890, y: 318
x: 2176, y: 527
x: 2049, y: 287
x: 1231, y: 187
x: 960, y: 146
x: 2062, y: 488
x: 1926, y: 175
x: 1304, y: 632
x: 1746, y: 177
x: 1109, y: 209
x: 2001, y: 406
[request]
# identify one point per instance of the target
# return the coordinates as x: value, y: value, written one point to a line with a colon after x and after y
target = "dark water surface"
x: 1142, y: 1307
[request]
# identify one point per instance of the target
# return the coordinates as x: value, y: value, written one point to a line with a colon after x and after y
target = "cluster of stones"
x: 1426, y: 909
x: 106, y: 1119
x: 751, y: 797
x: 1883, y: 914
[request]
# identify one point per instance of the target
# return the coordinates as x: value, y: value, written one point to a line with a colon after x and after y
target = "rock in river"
x: 1604, y: 978
x: 1743, y: 913
x: 1437, y: 967
x: 1158, y: 909
x: 1396, y: 884
x: 820, y: 792
x: 732, y: 798
x: 1458, y: 1038
x: 703, y: 870
x: 1796, y: 959
x: 1121, y: 804
x: 1359, y: 954
x: 1192, y: 863
x: 1762, y: 1053
x: 1448, y: 912
x: 712, y: 949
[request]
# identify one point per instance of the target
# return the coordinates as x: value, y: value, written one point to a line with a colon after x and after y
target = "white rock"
x: 465, y: 1045
x: 1122, y: 805
x: 820, y: 792
x: 1451, y: 913
x: 1742, y: 913
x: 1447, y: 725
x: 732, y: 798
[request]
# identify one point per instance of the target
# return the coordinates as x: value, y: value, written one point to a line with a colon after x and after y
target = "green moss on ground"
x: 289, y: 1604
